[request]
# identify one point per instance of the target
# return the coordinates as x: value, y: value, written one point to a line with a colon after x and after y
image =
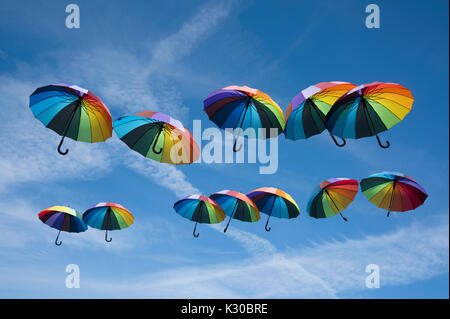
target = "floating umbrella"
x: 274, y: 202
x: 157, y: 136
x: 73, y: 112
x: 306, y: 113
x: 108, y: 216
x: 331, y: 197
x: 200, y: 209
x: 393, y: 191
x: 64, y: 219
x: 369, y: 109
x: 237, y: 206
x: 243, y: 107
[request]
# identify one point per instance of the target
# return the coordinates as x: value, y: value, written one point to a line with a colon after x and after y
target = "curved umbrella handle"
x: 234, y: 146
x: 59, y: 147
x: 267, y: 223
x: 193, y: 233
x: 344, y: 218
x: 56, y: 240
x: 270, y: 214
x: 381, y: 145
x: 156, y: 141
x: 106, y: 237
x: 388, y: 213
x: 336, y: 142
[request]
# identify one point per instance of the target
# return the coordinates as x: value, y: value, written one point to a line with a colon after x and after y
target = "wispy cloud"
x: 125, y: 81
x: 326, y: 270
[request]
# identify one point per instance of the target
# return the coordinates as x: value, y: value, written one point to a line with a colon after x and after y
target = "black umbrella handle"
x: 59, y: 147
x: 67, y: 128
x: 106, y: 237
x: 195, y: 228
x: 198, y: 219
x: 381, y: 145
x: 231, y: 216
x: 56, y: 240
x: 156, y: 140
x: 335, y: 141
x: 270, y: 214
x: 372, y: 126
x: 267, y: 223
x: 319, y: 112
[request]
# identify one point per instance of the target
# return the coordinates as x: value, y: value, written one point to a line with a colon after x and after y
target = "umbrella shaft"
x: 392, y: 196
x: 242, y: 121
x: 332, y: 200
x: 231, y: 215
x: 271, y: 209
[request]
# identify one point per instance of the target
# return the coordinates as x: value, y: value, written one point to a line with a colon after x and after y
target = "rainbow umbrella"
x: 243, y: 107
x: 369, y: 109
x: 158, y: 136
x: 73, y: 112
x: 64, y: 219
x: 108, y: 216
x: 393, y: 191
x: 200, y: 209
x: 237, y: 206
x: 306, y: 113
x: 274, y: 202
x: 331, y: 197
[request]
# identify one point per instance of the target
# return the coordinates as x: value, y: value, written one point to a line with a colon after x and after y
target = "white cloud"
x: 327, y: 270
x: 124, y: 81
x: 182, y: 42
x: 323, y: 271
x: 165, y: 175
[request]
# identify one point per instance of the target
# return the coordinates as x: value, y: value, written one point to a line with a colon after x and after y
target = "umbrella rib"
x: 150, y: 127
x: 392, y: 196
x: 332, y: 200
x: 388, y: 108
x: 72, y: 100
x: 232, y: 214
x: 328, y: 194
x: 371, y: 125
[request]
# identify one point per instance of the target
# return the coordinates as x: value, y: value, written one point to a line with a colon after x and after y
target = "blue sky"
x: 167, y: 56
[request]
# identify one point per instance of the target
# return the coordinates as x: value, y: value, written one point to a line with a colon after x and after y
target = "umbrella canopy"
x: 306, y: 113
x: 331, y: 197
x: 369, y: 109
x: 108, y: 216
x: 158, y: 136
x: 200, y: 209
x: 243, y: 107
x: 73, y: 112
x: 237, y: 206
x: 274, y: 202
x: 64, y: 219
x: 393, y: 191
